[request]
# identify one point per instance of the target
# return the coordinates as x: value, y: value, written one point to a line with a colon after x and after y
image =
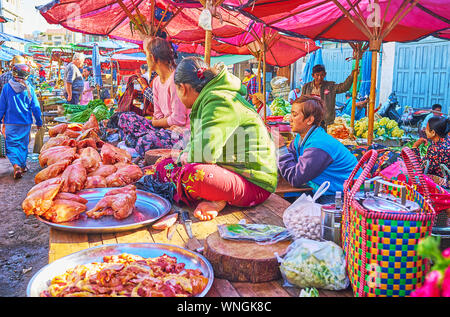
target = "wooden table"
x: 63, y: 243
x: 283, y: 187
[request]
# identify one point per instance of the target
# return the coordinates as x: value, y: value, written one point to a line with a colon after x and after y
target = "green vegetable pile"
x: 315, y: 264
x: 81, y: 113
x: 280, y: 107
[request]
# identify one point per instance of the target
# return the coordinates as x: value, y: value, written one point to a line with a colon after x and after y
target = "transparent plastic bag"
x: 303, y: 217
x: 260, y: 233
x: 310, y: 263
x: 205, y: 20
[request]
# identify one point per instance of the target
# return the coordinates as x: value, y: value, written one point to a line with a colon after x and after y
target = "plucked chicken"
x: 112, y: 155
x: 92, y: 123
x: 103, y: 170
x: 119, y: 202
x: 63, y: 210
x: 90, y: 159
x: 74, y: 178
x: 51, y: 171
x: 57, y: 154
x: 40, y: 198
x: 58, y: 140
x: 57, y: 129
x: 72, y: 197
x: 95, y: 182
x: 124, y: 175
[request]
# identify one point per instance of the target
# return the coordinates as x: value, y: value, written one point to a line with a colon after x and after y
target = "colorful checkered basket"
x: 380, y: 247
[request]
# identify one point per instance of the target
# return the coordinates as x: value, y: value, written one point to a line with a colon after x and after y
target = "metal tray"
x: 149, y: 208
x: 41, y: 280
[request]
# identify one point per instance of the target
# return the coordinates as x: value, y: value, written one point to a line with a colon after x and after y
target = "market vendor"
x: 251, y: 82
x: 18, y: 106
x: 215, y: 169
x: 314, y: 156
x: 326, y: 90
x: 438, y: 152
x: 360, y: 107
x: 258, y: 103
x: 73, y: 79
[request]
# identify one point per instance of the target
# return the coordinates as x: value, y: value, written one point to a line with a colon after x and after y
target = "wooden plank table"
x: 63, y: 243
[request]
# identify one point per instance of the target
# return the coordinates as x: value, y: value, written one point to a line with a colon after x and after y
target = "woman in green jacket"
x: 230, y: 157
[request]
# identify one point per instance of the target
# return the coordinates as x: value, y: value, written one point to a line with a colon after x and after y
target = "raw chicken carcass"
x: 112, y: 155
x: 95, y: 182
x: 51, y: 171
x: 125, y: 175
x: 72, y: 134
x: 63, y: 210
x: 58, y: 140
x: 56, y: 154
x: 89, y: 142
x: 57, y: 129
x: 74, y: 178
x: 92, y: 123
x: 40, y: 198
x: 72, y: 197
x: 117, y: 202
x: 90, y: 158
x: 103, y: 170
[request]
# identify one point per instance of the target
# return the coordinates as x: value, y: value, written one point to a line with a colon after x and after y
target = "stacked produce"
x: 280, y: 107
x: 382, y: 128
x: 82, y: 113
x: 339, y: 129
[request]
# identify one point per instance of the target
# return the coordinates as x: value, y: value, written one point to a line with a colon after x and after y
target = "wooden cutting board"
x: 151, y: 156
x: 244, y: 261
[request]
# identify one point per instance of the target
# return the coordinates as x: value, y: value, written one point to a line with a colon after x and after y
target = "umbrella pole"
x: 264, y: 74
x: 355, y: 84
x: 373, y: 86
x: 259, y: 71
x: 208, y: 38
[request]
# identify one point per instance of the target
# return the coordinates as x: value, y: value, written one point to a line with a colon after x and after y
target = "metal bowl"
x: 149, y: 208
x: 41, y: 280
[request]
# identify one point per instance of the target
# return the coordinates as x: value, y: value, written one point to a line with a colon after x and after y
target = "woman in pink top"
x: 170, y: 116
x: 169, y: 111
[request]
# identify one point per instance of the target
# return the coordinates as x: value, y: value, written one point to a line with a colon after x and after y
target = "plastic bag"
x: 303, y: 217
x: 310, y: 263
x: 205, y: 20
x: 260, y: 233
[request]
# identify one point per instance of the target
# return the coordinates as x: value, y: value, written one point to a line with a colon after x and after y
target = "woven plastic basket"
x: 381, y: 247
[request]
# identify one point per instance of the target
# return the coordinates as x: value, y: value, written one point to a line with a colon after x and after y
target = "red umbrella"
x: 122, y: 19
x: 374, y: 21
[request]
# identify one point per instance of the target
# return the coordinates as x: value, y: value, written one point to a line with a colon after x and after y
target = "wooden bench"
x: 284, y: 188
x: 63, y: 243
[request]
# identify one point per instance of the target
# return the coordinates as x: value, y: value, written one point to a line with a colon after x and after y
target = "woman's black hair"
x: 194, y: 71
x: 440, y: 125
x: 248, y: 70
x: 162, y: 50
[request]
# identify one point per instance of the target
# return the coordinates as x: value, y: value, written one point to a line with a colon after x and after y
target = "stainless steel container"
x: 331, y: 216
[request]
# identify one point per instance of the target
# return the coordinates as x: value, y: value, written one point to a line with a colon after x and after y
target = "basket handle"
x: 370, y: 157
x: 414, y: 171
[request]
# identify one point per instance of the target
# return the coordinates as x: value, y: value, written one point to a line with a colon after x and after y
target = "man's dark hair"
x: 144, y: 67
x: 318, y: 68
x: 248, y: 70
x: 436, y: 106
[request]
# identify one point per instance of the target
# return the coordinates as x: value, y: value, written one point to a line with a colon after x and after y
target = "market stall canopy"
x: 4, y: 37
x: 281, y: 49
x: 110, y: 45
x: 109, y: 17
x: 325, y: 19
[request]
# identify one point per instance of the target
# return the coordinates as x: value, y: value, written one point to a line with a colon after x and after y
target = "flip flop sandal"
x: 17, y: 173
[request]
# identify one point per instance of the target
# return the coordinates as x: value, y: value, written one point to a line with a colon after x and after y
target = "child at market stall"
x: 18, y: 106
x: 314, y: 156
x: 230, y: 158
x: 438, y: 152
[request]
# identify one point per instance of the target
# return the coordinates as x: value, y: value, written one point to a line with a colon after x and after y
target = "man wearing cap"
x: 6, y: 77
x: 73, y: 79
x: 327, y: 91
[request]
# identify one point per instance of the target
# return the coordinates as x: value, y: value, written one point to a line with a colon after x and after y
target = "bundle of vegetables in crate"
x: 81, y: 113
x: 280, y: 107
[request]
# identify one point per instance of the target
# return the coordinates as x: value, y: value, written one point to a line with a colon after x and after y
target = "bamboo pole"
x: 208, y: 39
x: 357, y: 54
x: 373, y: 86
x: 259, y: 71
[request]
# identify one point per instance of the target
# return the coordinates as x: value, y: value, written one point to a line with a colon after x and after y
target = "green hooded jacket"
x: 227, y: 131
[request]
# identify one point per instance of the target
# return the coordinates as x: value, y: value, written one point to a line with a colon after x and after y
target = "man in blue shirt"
x: 360, y: 110
x: 436, y: 110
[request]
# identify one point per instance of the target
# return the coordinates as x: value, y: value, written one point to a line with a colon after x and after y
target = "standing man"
x: 73, y: 79
x: 6, y: 77
x: 327, y: 91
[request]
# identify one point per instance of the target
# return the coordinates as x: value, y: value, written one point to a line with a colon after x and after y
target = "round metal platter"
x: 41, y: 280
x: 148, y: 208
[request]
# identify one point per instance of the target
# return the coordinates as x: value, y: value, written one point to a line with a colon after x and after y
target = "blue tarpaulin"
x: 366, y: 71
x: 96, y: 68
x: 315, y: 58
